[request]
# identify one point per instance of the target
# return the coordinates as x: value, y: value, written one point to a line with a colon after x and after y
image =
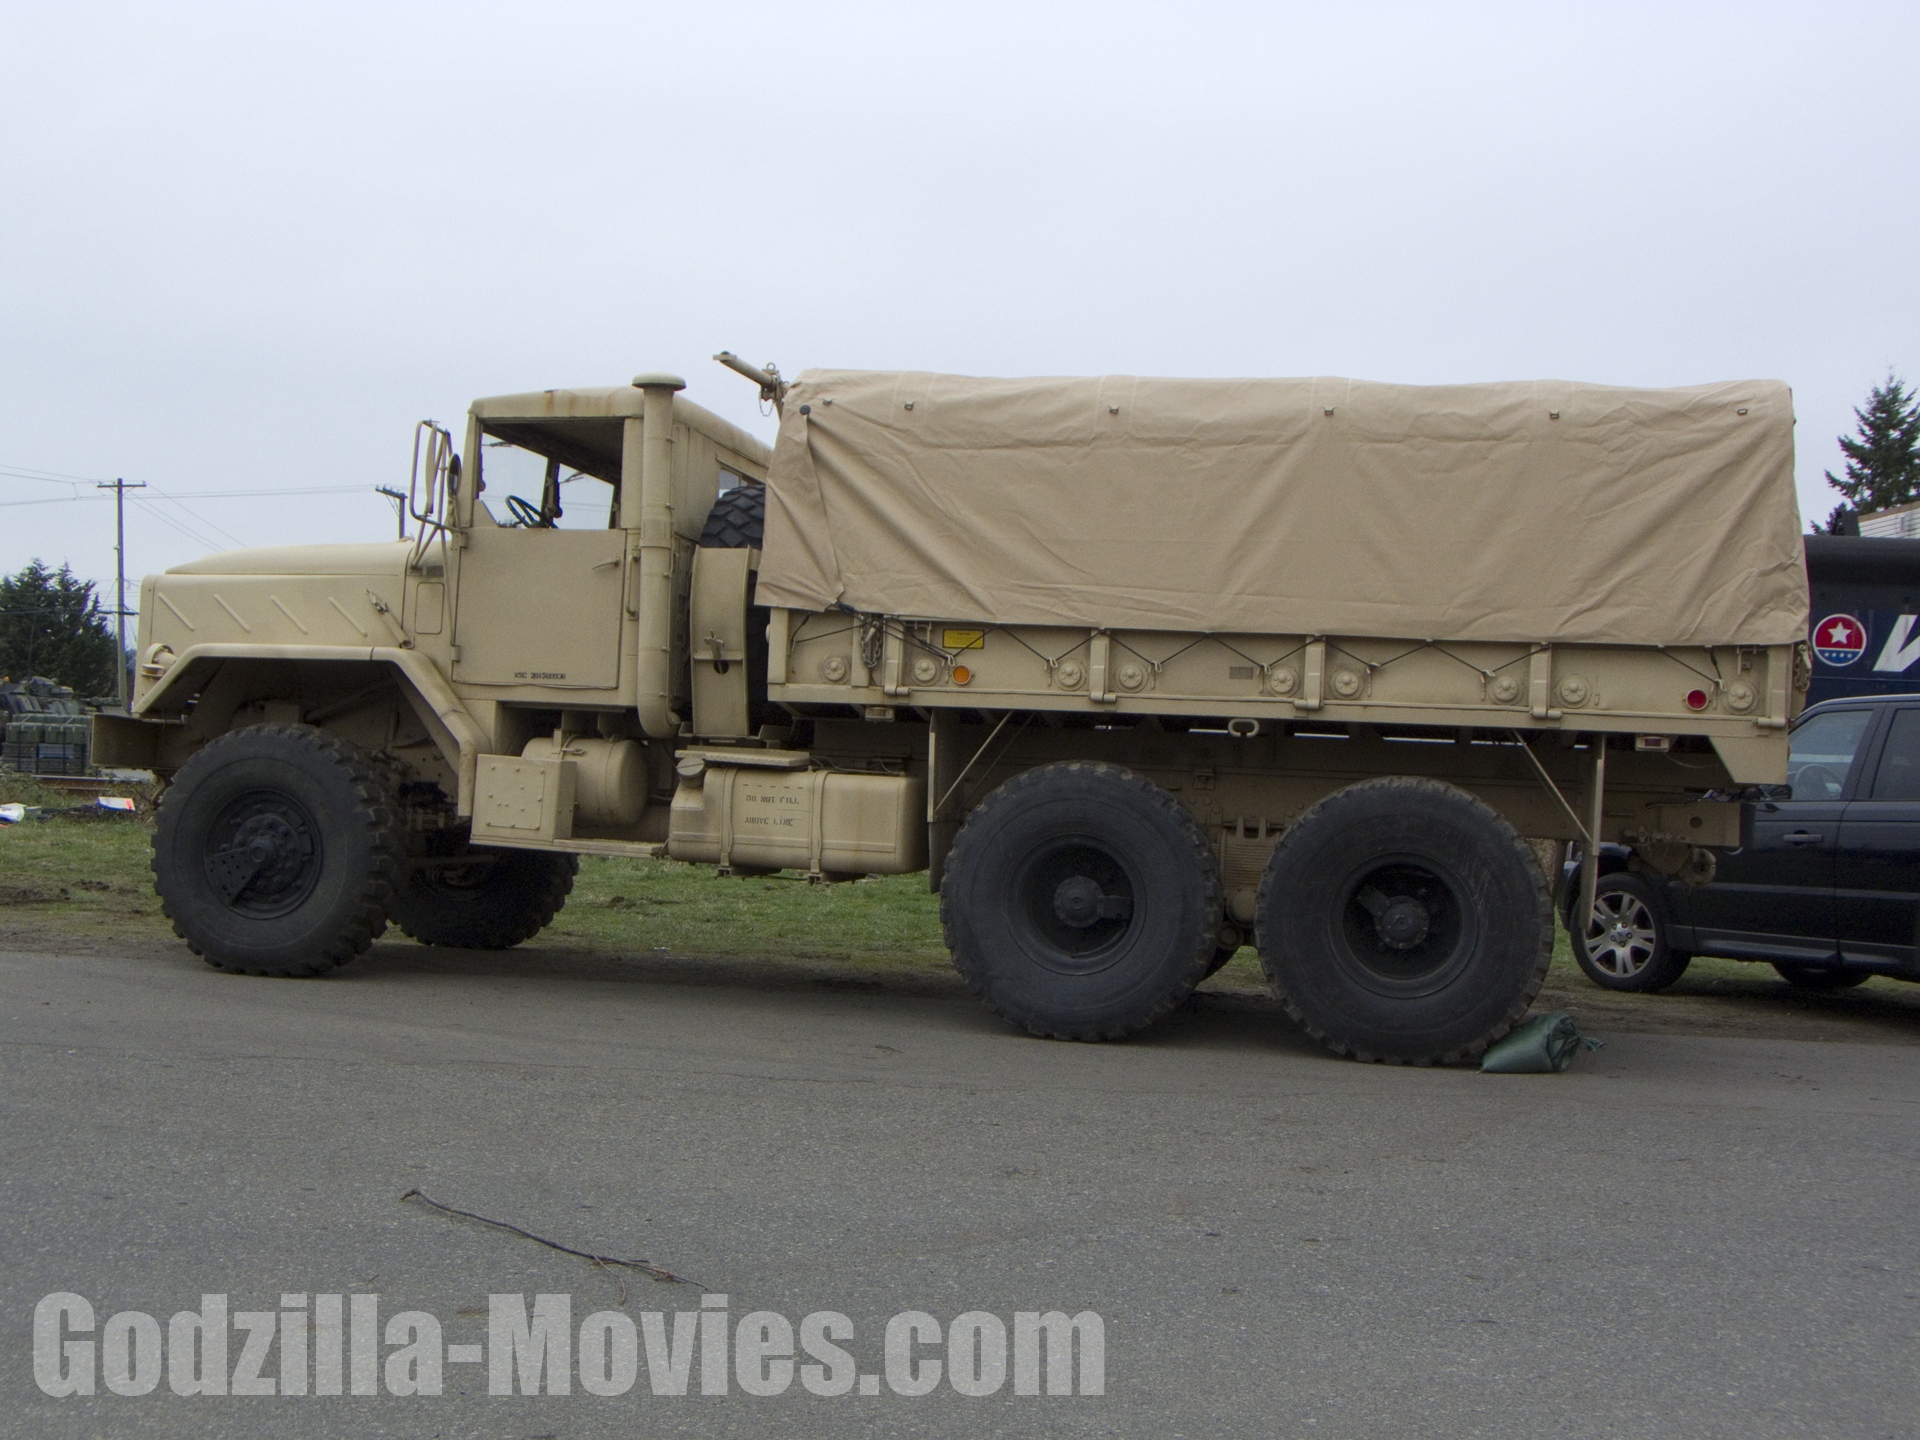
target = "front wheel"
x: 277, y: 851
x: 1081, y: 902
x: 1402, y: 919
x: 1624, y: 944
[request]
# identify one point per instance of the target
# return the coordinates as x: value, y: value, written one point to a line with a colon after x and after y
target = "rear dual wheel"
x: 1399, y: 919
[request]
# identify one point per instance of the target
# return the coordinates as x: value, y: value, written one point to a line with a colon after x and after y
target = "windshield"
x: 546, y: 491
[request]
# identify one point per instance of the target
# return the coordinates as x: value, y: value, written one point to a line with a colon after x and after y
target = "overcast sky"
x: 246, y: 248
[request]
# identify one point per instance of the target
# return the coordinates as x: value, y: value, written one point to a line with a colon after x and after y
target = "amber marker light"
x: 961, y: 674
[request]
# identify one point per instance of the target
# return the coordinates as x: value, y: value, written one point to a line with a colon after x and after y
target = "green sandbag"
x: 1543, y: 1045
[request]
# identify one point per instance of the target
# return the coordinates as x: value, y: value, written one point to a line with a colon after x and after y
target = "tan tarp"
x: 1466, y: 512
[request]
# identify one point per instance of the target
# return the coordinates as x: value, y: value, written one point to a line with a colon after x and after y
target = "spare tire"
x: 738, y: 519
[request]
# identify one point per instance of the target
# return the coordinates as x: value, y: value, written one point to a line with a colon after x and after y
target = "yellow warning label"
x: 964, y: 640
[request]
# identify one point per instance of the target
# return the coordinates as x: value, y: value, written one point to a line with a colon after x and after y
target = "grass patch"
x: 86, y: 876
x: 16, y: 788
x: 622, y: 904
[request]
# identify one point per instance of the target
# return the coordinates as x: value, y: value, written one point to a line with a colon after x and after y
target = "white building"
x: 1898, y: 523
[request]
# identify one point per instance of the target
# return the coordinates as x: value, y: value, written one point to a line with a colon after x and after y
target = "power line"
x: 267, y: 494
x: 198, y: 516
x: 57, y: 477
x: 165, y: 519
x: 205, y: 495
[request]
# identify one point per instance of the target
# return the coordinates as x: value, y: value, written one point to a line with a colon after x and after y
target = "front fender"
x: 460, y: 737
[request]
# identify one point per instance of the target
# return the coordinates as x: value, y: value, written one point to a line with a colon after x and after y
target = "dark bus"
x: 1865, y: 617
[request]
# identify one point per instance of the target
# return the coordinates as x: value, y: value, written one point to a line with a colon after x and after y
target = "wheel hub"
x: 1403, y: 924
x: 1079, y: 902
x: 263, y: 858
x: 1402, y: 927
x: 1621, y: 940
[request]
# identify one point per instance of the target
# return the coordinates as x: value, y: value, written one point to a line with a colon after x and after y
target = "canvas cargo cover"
x: 1541, y: 511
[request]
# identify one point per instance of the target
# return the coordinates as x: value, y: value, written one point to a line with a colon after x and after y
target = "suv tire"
x: 1625, y: 945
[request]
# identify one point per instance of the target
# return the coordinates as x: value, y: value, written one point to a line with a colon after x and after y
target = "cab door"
x: 1774, y: 899
x: 540, y: 607
x: 1877, y: 882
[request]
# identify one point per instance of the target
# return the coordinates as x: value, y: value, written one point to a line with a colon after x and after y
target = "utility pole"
x: 120, y: 488
x: 399, y: 505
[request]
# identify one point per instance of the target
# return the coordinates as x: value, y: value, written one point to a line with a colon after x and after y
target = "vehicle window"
x: 1822, y: 752
x: 509, y: 469
x: 1899, y: 774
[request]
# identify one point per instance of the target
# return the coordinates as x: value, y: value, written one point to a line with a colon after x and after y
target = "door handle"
x: 1802, y: 837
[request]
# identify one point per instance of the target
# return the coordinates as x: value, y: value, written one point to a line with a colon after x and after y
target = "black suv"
x: 1826, y: 889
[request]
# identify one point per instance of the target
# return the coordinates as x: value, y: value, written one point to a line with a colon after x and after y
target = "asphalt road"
x: 1680, y: 1237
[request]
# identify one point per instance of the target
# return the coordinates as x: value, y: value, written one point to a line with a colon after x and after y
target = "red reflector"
x: 1696, y: 699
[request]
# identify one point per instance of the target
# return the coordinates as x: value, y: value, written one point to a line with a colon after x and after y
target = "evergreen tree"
x: 1883, y: 455
x: 51, y: 624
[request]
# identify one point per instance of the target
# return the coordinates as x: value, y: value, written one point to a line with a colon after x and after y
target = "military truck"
x: 1138, y: 671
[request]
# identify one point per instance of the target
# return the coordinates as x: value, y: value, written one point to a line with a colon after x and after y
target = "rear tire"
x: 493, y: 902
x: 1823, y: 978
x: 1081, y: 902
x: 1625, y: 944
x: 278, y: 851
x: 1401, y: 919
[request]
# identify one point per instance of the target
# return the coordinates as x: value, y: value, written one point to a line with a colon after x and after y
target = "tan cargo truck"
x: 1138, y: 670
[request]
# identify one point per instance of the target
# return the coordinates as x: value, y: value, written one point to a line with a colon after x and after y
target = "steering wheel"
x: 1818, y: 781
x: 526, y: 513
